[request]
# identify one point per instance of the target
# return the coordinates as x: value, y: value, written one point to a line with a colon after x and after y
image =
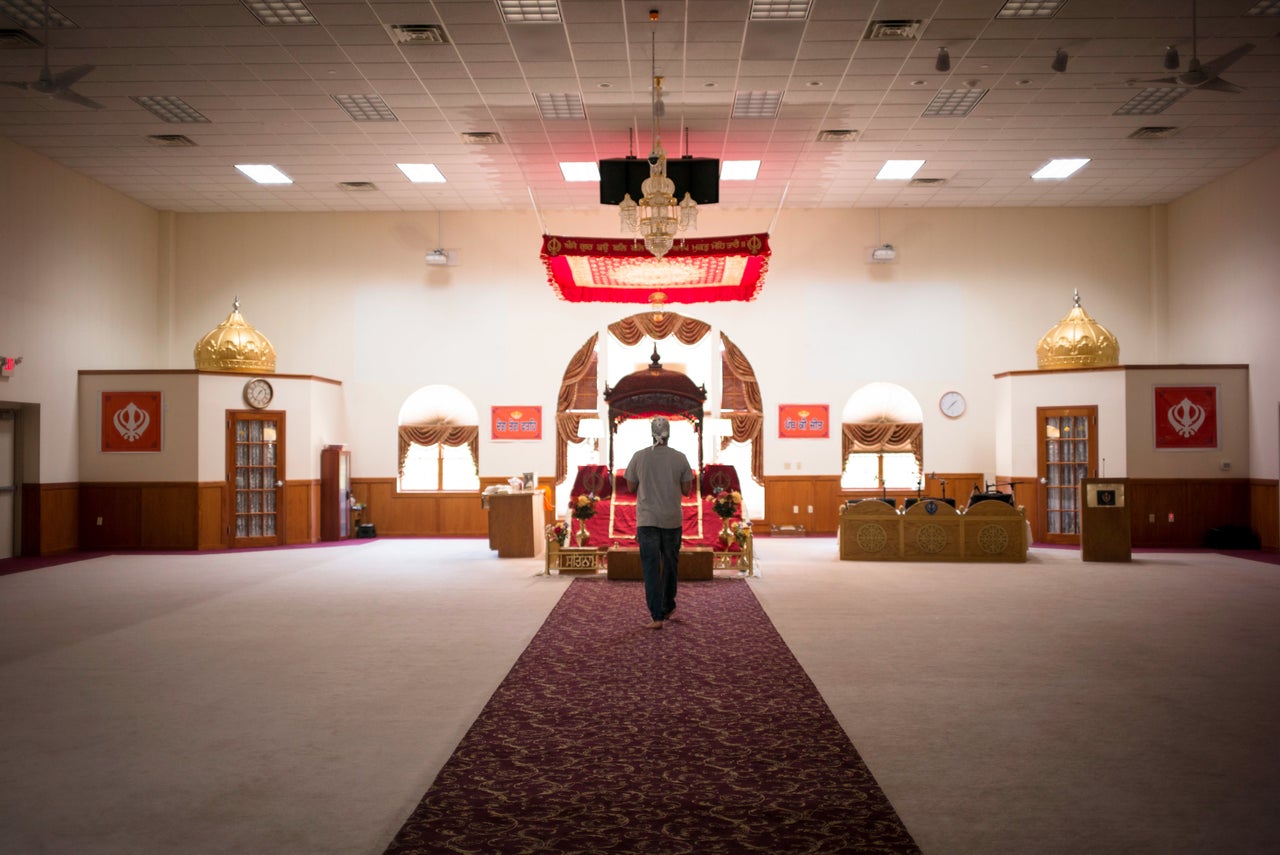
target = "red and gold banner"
x: 621, y: 270
x: 804, y: 421
x: 131, y: 421
x: 516, y: 423
x: 1186, y: 416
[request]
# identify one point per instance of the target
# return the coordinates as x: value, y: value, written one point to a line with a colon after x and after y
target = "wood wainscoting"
x: 138, y: 516
x: 1174, y: 512
x: 50, y: 519
x: 419, y: 514
x: 1264, y: 509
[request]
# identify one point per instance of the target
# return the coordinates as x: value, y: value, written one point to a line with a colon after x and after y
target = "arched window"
x: 439, y: 432
x: 883, y: 439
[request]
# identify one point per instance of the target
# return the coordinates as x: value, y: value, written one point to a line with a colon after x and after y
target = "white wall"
x: 1104, y: 389
x: 1224, y: 290
x: 348, y: 296
x: 80, y: 289
x: 1146, y: 461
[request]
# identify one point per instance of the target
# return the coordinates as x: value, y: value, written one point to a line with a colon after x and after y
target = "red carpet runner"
x: 606, y: 736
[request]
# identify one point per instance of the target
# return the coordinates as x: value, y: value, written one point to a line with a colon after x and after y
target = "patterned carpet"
x: 607, y: 736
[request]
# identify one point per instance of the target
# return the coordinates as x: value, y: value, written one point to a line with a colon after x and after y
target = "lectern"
x: 516, y: 522
x: 1104, y: 521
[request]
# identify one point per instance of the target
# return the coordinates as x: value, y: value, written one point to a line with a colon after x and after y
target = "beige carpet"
x: 301, y: 700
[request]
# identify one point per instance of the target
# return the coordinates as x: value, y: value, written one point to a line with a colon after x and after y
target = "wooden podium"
x: 1105, y: 534
x: 516, y: 523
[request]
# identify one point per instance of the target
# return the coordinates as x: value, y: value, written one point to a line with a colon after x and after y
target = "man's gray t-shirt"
x: 659, y: 475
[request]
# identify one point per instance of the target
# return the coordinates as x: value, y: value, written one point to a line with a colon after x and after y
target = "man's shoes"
x: 657, y: 624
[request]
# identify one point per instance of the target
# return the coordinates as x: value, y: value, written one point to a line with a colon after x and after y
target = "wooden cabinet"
x: 517, y: 523
x: 335, y: 493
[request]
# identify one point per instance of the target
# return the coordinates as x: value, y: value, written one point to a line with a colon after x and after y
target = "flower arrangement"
x: 726, y: 504
x: 737, y: 533
x: 558, y: 531
x: 584, y: 507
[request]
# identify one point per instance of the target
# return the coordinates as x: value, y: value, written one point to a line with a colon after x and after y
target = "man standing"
x: 659, y: 476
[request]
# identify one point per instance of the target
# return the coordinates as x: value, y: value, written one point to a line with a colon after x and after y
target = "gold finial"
x: 234, y: 345
x: 1078, y: 341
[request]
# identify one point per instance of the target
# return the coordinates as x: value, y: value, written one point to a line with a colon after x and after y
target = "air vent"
x: 17, y: 39
x: 892, y: 31
x: 481, y: 138
x: 927, y: 182
x: 419, y: 34
x: 358, y: 186
x: 1154, y: 132
x: 841, y: 135
x: 170, y: 140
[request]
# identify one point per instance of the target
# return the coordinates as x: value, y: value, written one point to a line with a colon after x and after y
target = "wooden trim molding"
x: 1173, y: 367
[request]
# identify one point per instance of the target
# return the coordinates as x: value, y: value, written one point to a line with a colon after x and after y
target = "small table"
x: 696, y: 563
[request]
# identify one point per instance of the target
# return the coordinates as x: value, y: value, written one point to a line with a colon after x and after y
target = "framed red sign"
x: 1186, y: 416
x: 804, y: 421
x: 516, y: 423
x: 131, y: 422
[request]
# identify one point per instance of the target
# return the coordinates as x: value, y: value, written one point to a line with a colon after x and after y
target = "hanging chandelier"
x: 657, y: 217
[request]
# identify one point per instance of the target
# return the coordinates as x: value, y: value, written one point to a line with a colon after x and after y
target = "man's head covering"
x: 661, y: 430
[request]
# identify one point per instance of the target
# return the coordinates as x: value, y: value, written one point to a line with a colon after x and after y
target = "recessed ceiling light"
x: 587, y: 170
x: 1058, y: 168
x: 761, y: 104
x: 366, y: 108
x: 898, y: 170
x: 739, y: 170
x: 30, y: 14
x: 1030, y: 8
x: 264, y: 173
x: 169, y: 108
x: 421, y: 173
x: 529, y: 11
x: 1154, y: 99
x: 953, y: 102
x: 560, y: 105
x: 779, y: 10
x: 285, y: 13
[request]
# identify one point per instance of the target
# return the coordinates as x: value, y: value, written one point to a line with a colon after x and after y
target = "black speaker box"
x: 697, y: 176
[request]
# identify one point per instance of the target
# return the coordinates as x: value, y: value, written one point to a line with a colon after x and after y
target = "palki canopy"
x: 655, y: 391
x: 618, y: 270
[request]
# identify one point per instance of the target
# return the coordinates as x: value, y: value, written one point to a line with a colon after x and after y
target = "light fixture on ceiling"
x: 264, y: 173
x: 1171, y: 59
x: 1059, y: 168
x: 943, y: 62
x: 1059, y: 61
x: 657, y: 217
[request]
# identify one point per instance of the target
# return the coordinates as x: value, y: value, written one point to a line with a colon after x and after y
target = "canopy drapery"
x: 620, y: 270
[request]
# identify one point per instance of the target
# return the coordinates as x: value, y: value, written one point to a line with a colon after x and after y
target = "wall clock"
x: 952, y: 405
x: 258, y: 393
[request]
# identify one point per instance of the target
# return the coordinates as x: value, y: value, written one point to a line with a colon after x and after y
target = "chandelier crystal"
x: 657, y: 217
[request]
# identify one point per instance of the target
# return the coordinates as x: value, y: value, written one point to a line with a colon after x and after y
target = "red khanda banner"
x: 1186, y: 416
x: 804, y: 421
x: 516, y: 423
x: 131, y: 421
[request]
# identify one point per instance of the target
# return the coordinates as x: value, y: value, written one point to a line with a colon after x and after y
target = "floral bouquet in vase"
x: 726, y: 504
x: 557, y: 531
x: 583, y: 509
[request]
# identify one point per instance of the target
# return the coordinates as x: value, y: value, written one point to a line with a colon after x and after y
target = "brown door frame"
x: 234, y: 416
x: 1089, y: 411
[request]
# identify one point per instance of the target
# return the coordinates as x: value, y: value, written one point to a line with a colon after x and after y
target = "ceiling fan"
x: 56, y: 85
x: 1197, y: 75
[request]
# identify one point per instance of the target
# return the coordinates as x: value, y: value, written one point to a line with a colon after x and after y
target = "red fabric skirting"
x: 615, y: 524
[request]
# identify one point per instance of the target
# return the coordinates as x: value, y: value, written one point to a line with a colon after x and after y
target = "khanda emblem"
x: 131, y: 422
x: 1186, y: 417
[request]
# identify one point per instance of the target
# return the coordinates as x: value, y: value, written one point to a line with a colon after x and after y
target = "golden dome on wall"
x: 1078, y: 341
x: 234, y: 345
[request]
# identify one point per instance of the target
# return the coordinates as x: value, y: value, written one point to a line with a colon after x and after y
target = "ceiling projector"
x: 437, y: 256
x: 884, y: 253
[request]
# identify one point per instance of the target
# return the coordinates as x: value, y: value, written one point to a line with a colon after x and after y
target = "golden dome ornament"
x: 1078, y: 341
x: 234, y: 345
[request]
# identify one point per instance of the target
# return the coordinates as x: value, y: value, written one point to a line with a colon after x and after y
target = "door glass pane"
x: 255, y: 431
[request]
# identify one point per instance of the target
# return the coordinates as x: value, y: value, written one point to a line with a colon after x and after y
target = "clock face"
x: 258, y: 393
x: 952, y: 405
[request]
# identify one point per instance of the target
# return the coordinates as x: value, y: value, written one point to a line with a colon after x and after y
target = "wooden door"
x: 1067, y: 451
x: 8, y: 482
x: 255, y: 478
